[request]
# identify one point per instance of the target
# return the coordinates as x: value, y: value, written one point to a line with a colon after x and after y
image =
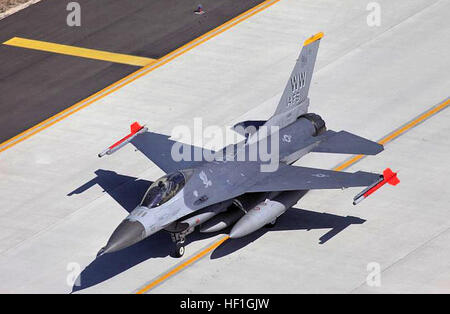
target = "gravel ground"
x: 8, y: 4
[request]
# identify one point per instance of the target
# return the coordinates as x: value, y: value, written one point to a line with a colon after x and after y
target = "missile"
x: 207, y: 213
x: 135, y: 130
x: 187, y: 225
x: 222, y: 220
x: 240, y: 206
x: 265, y: 213
x: 388, y: 177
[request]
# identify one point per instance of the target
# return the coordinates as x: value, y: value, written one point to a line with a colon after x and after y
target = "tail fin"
x: 296, y: 90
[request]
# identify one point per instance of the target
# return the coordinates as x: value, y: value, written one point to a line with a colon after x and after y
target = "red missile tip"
x: 135, y: 127
x: 390, y: 177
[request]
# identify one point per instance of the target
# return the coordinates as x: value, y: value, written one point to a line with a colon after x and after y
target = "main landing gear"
x: 179, y: 249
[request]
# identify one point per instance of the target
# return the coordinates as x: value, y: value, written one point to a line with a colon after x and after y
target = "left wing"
x: 288, y: 178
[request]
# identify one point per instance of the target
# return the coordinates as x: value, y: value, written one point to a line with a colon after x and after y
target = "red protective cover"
x: 388, y: 177
x: 134, y: 127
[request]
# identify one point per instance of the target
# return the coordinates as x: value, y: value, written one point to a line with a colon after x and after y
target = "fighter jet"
x: 228, y: 191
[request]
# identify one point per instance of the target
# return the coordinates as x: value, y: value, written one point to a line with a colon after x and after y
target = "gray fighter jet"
x: 233, y: 188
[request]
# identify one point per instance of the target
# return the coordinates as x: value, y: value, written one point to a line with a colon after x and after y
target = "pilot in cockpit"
x: 163, y: 189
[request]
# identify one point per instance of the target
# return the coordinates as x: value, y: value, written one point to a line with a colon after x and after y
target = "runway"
x: 36, y: 85
x: 368, y: 80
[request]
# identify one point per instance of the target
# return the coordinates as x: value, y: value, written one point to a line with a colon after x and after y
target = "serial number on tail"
x: 298, y: 81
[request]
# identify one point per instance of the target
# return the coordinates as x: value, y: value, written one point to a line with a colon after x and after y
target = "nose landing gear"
x: 179, y: 238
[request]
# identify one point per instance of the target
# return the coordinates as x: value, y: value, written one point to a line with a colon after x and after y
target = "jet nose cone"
x: 125, y: 235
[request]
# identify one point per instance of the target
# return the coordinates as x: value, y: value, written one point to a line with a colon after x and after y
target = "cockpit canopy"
x: 164, y: 189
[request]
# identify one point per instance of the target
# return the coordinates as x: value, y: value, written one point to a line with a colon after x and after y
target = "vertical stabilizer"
x: 296, y: 90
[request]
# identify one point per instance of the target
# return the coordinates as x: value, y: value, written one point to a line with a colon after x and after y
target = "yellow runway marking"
x: 133, y: 76
x: 179, y: 267
x: 388, y: 138
x: 78, y: 52
x: 342, y: 166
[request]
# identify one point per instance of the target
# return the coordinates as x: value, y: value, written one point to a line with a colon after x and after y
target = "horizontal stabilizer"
x: 347, y: 143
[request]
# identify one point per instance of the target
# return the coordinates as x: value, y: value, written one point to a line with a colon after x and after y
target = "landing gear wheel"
x: 179, y: 239
x: 271, y: 224
x: 179, y: 250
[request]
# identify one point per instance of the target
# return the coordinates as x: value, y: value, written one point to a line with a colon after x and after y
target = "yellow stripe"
x: 133, y: 76
x: 397, y: 132
x: 182, y: 265
x: 78, y: 52
x: 348, y: 163
x: 313, y: 38
x: 414, y: 122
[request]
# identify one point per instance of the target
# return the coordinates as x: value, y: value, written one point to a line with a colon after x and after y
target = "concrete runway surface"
x: 368, y: 80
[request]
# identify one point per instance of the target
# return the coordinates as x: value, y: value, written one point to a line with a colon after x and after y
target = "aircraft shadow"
x: 293, y: 219
x: 109, y: 265
x: 128, y: 191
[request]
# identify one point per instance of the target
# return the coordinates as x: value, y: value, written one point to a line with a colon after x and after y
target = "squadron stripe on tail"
x: 313, y: 38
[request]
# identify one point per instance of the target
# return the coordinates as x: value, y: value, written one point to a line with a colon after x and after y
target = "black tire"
x: 271, y: 224
x: 179, y: 250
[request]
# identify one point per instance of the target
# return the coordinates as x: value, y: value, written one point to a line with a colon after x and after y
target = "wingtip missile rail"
x: 135, y: 129
x: 388, y: 177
